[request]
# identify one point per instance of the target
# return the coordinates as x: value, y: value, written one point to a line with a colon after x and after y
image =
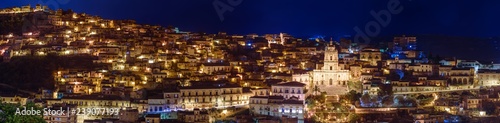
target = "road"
x: 24, y: 91
x: 231, y: 113
x: 449, y: 90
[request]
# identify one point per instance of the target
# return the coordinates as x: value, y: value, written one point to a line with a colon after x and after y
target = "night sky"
x: 300, y: 18
x: 307, y: 18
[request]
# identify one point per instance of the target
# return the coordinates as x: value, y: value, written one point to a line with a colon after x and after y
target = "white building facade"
x: 330, y: 78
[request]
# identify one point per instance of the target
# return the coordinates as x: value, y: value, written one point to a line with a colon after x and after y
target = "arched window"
x: 331, y: 81
x: 331, y: 68
x: 331, y: 57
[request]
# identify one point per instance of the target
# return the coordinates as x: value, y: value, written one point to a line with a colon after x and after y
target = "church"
x: 331, y: 78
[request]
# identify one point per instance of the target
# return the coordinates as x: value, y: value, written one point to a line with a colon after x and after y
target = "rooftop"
x: 292, y: 84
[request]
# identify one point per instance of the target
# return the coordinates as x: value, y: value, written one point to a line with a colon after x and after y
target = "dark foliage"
x: 33, y: 72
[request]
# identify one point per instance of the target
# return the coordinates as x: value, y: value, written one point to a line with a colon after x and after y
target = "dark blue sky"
x: 300, y: 18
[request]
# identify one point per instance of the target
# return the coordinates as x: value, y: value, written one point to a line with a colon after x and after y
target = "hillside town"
x: 156, y: 74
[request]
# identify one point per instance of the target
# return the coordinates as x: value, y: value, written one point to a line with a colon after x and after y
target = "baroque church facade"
x: 331, y: 78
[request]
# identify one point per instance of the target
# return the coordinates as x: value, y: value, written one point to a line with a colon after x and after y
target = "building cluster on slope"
x: 197, y: 77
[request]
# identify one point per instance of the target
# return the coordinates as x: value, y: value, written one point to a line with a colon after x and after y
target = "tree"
x: 387, y: 101
x: 409, y: 102
x: 375, y: 101
x: 322, y: 97
x: 352, y: 96
x: 355, y: 85
x: 385, y: 89
x: 316, y: 90
x: 489, y: 107
x: 398, y: 101
x: 352, y: 118
x: 7, y: 114
x: 421, y: 96
x: 311, y: 102
x: 366, y: 100
x: 425, y: 100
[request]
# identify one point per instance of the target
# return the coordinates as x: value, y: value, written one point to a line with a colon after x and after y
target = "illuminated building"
x: 488, y: 77
x: 330, y: 78
x: 92, y: 101
x: 289, y: 90
x: 65, y: 118
x: 210, y: 68
x: 195, y: 116
x: 303, y: 77
x: 371, y: 55
x: 128, y: 115
x: 277, y: 106
x: 462, y: 76
x: 200, y: 96
x: 215, y: 95
x: 13, y: 99
x: 405, y: 42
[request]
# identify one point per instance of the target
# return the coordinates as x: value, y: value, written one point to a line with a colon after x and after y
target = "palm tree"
x: 316, y: 90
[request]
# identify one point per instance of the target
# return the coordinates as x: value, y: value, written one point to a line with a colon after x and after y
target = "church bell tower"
x: 331, y: 60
